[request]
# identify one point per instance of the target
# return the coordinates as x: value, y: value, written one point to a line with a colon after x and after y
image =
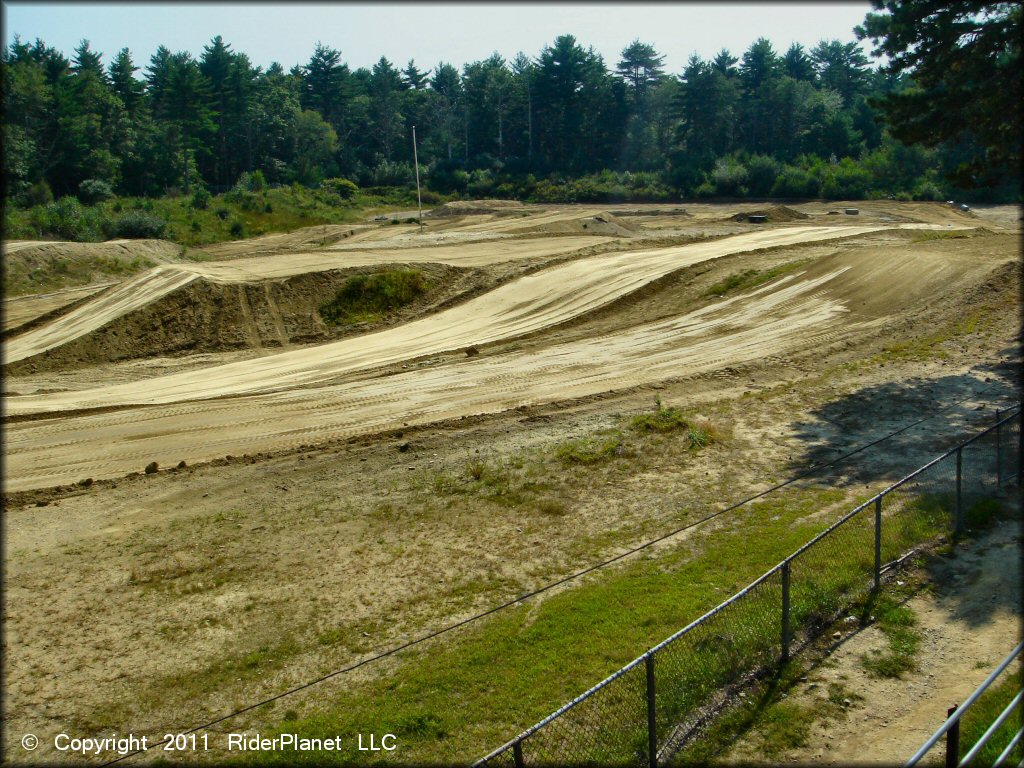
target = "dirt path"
x: 969, y: 623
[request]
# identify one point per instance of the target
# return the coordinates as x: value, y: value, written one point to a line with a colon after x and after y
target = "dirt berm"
x: 209, y: 316
x: 775, y: 213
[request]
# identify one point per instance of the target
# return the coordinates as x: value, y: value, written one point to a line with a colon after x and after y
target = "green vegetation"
x: 592, y: 449
x: 931, y: 235
x: 751, y: 278
x: 899, y: 624
x: 513, y: 669
x: 797, y: 123
x: 197, y: 220
x: 984, y: 712
x: 369, y: 298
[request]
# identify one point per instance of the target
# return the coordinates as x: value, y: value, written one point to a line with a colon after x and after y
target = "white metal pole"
x: 416, y: 162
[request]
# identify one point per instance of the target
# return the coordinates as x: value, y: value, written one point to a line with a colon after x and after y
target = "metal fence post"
x: 958, y: 520
x: 517, y: 753
x: 786, y: 636
x: 652, y: 733
x: 952, y: 741
x: 878, y: 543
x: 999, y: 452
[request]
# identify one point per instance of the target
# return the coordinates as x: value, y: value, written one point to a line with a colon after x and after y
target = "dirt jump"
x: 143, y: 487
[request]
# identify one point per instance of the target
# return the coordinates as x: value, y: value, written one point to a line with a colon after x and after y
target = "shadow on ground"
x: 950, y: 409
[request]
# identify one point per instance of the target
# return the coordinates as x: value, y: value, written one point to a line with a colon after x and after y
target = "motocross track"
x: 305, y: 464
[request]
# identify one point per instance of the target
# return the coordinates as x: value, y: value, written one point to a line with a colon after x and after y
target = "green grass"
x: 938, y: 234
x: 476, y: 690
x: 369, y: 298
x: 984, y: 712
x: 591, y: 450
x: 899, y: 625
x: 751, y: 278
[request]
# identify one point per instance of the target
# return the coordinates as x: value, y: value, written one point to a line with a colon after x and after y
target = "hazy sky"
x: 426, y: 31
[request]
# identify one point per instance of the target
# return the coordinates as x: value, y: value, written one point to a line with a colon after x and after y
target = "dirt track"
x: 115, y: 588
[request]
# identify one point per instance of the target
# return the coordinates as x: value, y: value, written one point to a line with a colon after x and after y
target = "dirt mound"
x: 775, y: 213
x: 38, y: 266
x: 472, y: 208
x: 602, y: 223
x: 302, y: 239
x: 208, y: 316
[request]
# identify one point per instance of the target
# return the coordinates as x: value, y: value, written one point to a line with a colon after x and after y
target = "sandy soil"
x: 970, y: 620
x: 20, y: 310
x: 328, y: 534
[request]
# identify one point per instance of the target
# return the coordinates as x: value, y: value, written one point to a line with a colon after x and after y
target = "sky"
x: 428, y: 32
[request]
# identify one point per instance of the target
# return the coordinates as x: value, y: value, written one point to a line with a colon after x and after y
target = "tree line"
x: 560, y: 125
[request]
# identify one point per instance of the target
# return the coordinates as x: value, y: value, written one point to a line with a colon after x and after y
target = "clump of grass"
x: 671, y: 419
x: 899, y: 624
x: 553, y: 507
x: 751, y: 278
x: 591, y: 450
x: 367, y: 298
x: 939, y: 234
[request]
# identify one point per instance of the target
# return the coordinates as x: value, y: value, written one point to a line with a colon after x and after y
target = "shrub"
x: 64, y: 218
x: 343, y: 188
x: 250, y: 182
x: 38, y: 194
x: 94, y: 190
x: 365, y: 297
x: 201, y: 199
x: 137, y: 225
x: 237, y: 228
x: 796, y: 182
x: 729, y: 177
x: 762, y: 171
x: 222, y: 214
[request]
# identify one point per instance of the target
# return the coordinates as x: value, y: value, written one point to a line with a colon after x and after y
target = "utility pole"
x: 416, y: 162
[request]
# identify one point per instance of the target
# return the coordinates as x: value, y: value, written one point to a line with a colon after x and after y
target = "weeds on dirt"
x: 899, y: 624
x: 368, y: 298
x: 591, y: 450
x: 751, y: 278
x: 933, y: 234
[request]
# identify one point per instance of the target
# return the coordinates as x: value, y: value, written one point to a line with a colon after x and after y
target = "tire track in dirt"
x: 779, y: 317
x: 531, y: 303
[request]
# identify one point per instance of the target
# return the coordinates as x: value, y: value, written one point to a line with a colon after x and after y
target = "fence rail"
x: 647, y: 710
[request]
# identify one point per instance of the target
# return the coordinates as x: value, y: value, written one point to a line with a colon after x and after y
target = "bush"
x: 762, y: 171
x: 64, y: 219
x: 135, y: 225
x: 343, y: 188
x: 222, y: 214
x: 201, y: 199
x: 237, y: 228
x: 366, y: 297
x: 848, y: 181
x: 796, y: 182
x: 729, y: 177
x: 38, y: 194
x: 250, y: 182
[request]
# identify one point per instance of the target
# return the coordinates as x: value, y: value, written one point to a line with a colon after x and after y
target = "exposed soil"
x: 311, y: 517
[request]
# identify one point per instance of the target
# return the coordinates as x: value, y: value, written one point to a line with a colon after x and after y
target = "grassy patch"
x: 369, y: 298
x: 984, y: 712
x: 591, y: 450
x: 751, y: 278
x: 938, y: 234
x: 899, y: 624
x: 496, y: 677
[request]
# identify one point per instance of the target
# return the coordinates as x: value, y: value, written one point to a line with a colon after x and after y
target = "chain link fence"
x: 650, y: 708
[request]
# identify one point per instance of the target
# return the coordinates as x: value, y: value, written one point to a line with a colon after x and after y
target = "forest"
x: 562, y: 126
